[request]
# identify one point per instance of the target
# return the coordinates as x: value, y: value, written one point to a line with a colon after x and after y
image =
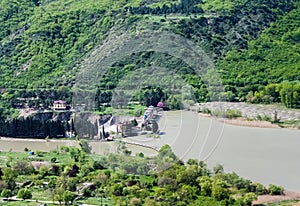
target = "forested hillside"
x: 271, y: 59
x: 43, y: 43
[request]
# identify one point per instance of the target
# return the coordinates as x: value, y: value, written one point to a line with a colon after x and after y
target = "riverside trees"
x: 121, y: 178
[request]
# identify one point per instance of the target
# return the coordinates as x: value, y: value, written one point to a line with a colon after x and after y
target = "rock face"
x: 54, y: 116
x: 54, y: 125
x: 88, y: 125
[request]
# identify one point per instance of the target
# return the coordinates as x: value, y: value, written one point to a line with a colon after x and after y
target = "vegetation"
x: 117, y: 179
x: 254, y: 43
x: 268, y: 71
x: 229, y: 113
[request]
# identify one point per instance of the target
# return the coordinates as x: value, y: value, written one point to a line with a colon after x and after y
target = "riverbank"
x: 287, y: 196
x: 243, y: 122
x: 253, y: 115
x: 37, y: 140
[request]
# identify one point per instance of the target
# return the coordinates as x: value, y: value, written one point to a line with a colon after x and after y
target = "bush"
x: 22, y: 167
x: 53, y: 159
x: 206, y: 111
x: 140, y: 154
x: 135, y: 201
x: 249, y: 198
x: 259, y: 188
x: 86, y: 192
x: 6, y: 193
x: 267, y: 118
x: 275, y: 190
x: 230, y: 113
x: 258, y: 117
x: 24, y: 194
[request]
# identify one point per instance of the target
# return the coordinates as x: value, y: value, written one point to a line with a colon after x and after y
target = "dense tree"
x: 9, y: 176
x: 275, y: 190
x: 24, y: 194
x: 6, y: 193
x: 219, y: 190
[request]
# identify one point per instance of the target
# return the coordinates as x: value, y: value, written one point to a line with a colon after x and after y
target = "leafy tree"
x: 68, y: 197
x: 205, y: 185
x: 189, y: 175
x: 23, y: 167
x: 58, y: 194
x: 249, y: 198
x: 275, y: 190
x: 259, y: 188
x: 9, y: 176
x: 6, y: 193
x: 24, y: 194
x: 219, y: 190
x: 187, y: 193
x: 218, y: 169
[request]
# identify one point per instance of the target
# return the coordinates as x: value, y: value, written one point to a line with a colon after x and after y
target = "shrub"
x: 6, y: 193
x: 267, y: 118
x: 53, y: 159
x: 24, y: 194
x: 249, y: 198
x: 230, y: 113
x: 258, y: 117
x: 206, y: 111
x: 275, y: 190
x: 86, y: 192
x: 259, y: 188
x: 135, y: 201
x: 140, y: 154
x: 23, y: 167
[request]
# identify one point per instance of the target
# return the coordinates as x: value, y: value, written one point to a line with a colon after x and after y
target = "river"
x: 266, y: 155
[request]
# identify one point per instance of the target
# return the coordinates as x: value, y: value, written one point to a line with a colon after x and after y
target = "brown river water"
x: 266, y: 155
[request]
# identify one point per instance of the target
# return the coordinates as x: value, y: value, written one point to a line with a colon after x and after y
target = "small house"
x: 59, y: 105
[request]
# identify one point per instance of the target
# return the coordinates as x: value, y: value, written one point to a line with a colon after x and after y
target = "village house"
x: 59, y: 105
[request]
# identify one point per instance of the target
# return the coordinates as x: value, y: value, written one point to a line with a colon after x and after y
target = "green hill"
x: 272, y: 58
x: 43, y: 43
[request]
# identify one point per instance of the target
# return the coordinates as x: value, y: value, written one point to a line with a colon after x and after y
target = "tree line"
x: 124, y: 179
x: 184, y: 7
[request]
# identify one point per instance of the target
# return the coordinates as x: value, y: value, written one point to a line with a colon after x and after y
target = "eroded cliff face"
x: 87, y: 125
x: 54, y: 124
x: 53, y: 116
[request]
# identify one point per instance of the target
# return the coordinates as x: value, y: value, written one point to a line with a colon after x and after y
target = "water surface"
x: 266, y: 155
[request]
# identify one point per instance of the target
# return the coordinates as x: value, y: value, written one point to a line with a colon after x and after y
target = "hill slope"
x: 44, y: 42
x: 272, y: 58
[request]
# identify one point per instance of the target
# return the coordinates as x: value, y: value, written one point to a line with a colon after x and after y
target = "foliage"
x: 258, y: 72
x: 24, y: 194
x: 137, y: 180
x: 85, y: 146
x: 6, y: 193
x: 275, y: 190
x: 44, y: 42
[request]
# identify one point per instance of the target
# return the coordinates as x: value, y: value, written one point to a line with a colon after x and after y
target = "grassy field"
x: 18, y: 203
x: 12, y: 157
